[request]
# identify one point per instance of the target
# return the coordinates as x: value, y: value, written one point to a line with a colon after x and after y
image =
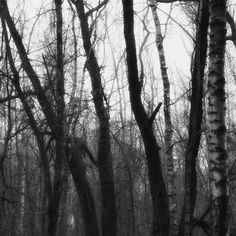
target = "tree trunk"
x: 64, y: 219
x: 157, y: 185
x: 199, y: 60
x: 168, y: 123
x: 78, y: 171
x: 59, y: 175
x: 109, y: 214
x: 22, y: 187
x: 216, y: 116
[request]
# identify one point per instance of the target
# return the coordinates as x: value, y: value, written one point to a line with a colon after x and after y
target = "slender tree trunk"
x: 42, y: 217
x: 199, y: 60
x: 59, y: 175
x: 132, y: 199
x: 168, y: 123
x: 22, y: 187
x: 109, y: 214
x: 64, y: 219
x: 73, y: 106
x: 216, y: 116
x: 157, y: 185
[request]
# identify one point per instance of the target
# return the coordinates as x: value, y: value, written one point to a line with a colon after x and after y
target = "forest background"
x: 117, y: 117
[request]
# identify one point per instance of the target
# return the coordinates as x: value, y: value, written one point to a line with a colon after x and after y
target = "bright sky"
x: 177, y: 43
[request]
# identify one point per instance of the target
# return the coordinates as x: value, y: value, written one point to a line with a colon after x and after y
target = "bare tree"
x: 109, y: 214
x: 55, y: 120
x: 157, y: 186
x: 168, y: 123
x: 78, y: 171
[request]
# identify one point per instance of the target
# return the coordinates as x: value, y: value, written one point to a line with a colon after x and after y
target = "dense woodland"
x: 117, y: 118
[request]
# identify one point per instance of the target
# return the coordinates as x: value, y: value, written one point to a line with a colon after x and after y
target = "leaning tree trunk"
x: 78, y: 171
x: 145, y: 123
x: 216, y: 116
x: 109, y: 213
x: 199, y: 60
x: 168, y: 123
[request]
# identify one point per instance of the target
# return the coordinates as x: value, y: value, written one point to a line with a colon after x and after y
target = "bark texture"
x: 216, y: 116
x: 157, y: 186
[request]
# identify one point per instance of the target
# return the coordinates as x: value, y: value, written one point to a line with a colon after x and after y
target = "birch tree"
x: 216, y: 116
x: 168, y: 147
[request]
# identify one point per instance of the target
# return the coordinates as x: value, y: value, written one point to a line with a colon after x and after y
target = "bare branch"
x: 230, y: 21
x: 27, y: 108
x: 90, y: 154
x: 152, y: 117
x: 176, y: 22
x: 98, y: 7
x: 9, y: 98
x: 45, y: 104
x: 141, y: 76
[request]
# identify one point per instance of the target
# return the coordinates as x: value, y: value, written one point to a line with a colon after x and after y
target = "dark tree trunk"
x: 59, y: 133
x: 195, y: 122
x: 78, y: 171
x: 161, y: 215
x: 109, y: 214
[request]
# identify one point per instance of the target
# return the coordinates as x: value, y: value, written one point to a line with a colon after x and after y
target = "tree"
x: 157, y: 186
x: 109, y: 214
x: 76, y: 149
x: 55, y: 120
x: 216, y: 116
x: 195, y: 128
x: 168, y: 147
x: 75, y: 162
x: 29, y: 113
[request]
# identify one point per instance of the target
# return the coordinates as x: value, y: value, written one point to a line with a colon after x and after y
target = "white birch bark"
x: 168, y: 123
x: 216, y: 116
